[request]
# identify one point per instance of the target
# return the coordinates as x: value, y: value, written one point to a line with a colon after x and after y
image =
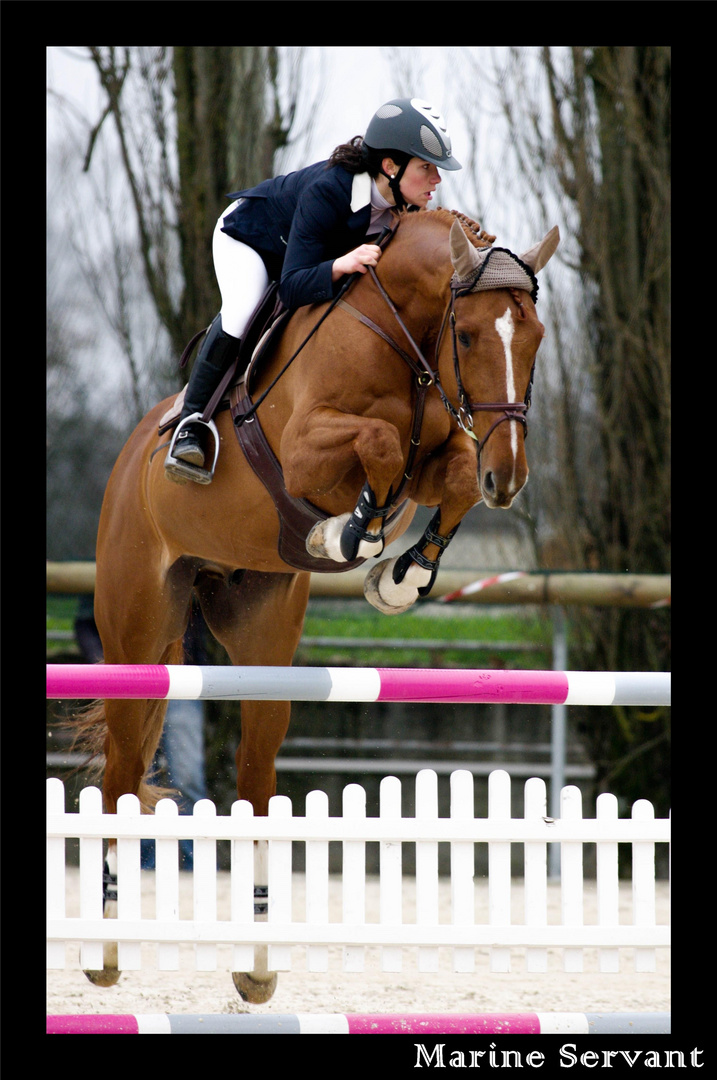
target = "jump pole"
x: 427, y: 1024
x: 436, y: 685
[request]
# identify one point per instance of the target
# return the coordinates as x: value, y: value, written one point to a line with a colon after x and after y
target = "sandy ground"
x: 371, y: 991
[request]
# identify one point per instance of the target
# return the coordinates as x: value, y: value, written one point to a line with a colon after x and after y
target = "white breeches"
x: 241, y: 276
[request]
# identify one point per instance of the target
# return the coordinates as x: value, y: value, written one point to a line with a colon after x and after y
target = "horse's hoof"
x: 254, y: 990
x: 110, y: 973
x: 388, y: 597
x: 324, y: 540
x: 106, y: 977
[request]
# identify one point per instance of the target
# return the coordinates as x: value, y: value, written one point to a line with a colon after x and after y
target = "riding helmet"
x: 415, y: 127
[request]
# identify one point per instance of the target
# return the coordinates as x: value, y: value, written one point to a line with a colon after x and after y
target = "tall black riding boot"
x: 216, y: 353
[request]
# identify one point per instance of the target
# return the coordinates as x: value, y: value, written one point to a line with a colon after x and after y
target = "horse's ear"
x: 541, y: 252
x: 464, y: 256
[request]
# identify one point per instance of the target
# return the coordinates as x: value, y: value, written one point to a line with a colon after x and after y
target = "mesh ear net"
x: 501, y: 269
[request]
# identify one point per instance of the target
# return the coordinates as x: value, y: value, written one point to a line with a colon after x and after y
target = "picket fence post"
x: 166, y: 861
x: 608, y: 881
x: 535, y: 871
x: 643, y: 884
x: 354, y: 875
x: 242, y: 883
x: 317, y: 879
x: 55, y: 888
x: 91, y: 867
x: 499, y: 881
x: 571, y: 875
x: 427, y: 866
x: 280, y: 883
x: 391, y: 871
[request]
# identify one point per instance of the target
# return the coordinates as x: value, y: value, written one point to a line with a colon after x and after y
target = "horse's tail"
x: 88, y: 728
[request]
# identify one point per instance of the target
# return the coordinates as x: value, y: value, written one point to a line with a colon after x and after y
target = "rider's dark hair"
x: 356, y: 157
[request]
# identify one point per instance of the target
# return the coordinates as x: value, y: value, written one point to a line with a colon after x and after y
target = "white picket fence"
x: 282, y: 931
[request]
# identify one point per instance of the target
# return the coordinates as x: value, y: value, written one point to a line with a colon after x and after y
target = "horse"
x: 413, y: 391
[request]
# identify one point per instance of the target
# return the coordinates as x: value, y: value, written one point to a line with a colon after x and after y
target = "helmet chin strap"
x: 394, y: 182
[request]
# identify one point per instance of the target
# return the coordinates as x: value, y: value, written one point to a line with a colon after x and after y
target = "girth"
x: 296, y: 516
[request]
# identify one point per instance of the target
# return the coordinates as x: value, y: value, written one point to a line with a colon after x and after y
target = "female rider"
x: 308, y: 230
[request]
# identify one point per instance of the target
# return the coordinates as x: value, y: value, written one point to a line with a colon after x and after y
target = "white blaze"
x: 506, y: 328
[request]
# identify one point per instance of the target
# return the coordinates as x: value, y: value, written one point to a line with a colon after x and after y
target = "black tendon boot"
x: 187, y: 453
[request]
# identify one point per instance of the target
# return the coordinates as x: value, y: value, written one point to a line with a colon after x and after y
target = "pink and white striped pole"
x: 433, y: 685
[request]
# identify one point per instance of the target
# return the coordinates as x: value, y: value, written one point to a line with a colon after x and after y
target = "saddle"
x: 297, y: 517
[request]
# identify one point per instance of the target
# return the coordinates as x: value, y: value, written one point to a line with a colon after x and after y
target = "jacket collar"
x: 360, y: 192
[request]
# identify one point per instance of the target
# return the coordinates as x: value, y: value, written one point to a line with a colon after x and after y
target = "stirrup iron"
x: 183, y: 469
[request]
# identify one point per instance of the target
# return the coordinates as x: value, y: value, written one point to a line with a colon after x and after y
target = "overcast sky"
x: 349, y: 84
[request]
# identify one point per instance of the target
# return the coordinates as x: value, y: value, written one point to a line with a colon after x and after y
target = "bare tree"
x: 145, y: 179
x: 191, y: 124
x: 597, y: 139
x: 231, y: 123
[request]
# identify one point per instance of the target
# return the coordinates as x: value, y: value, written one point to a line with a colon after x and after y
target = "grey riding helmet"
x: 415, y: 127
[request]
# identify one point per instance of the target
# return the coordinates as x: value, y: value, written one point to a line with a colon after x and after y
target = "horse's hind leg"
x: 259, y: 621
x: 133, y: 728
x: 133, y: 732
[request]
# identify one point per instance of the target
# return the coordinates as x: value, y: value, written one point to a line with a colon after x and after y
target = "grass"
x: 483, y: 636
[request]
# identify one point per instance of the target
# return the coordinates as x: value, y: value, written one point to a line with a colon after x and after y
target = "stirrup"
x: 182, y: 469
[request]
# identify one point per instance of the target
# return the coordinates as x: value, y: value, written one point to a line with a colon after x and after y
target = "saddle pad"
x: 297, y: 517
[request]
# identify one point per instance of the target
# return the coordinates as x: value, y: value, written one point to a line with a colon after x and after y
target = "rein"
x: 386, y: 235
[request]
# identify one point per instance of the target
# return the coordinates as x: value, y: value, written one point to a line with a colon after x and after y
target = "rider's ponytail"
x: 352, y: 155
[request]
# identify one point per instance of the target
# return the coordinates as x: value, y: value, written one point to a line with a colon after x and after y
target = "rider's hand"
x: 359, y: 259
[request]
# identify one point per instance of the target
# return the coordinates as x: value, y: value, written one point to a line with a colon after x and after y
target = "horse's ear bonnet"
x: 498, y: 268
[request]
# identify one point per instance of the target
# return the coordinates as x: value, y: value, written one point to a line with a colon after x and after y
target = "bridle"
x: 463, y: 415
x: 427, y: 376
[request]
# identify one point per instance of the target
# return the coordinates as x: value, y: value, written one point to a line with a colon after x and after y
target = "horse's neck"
x: 419, y: 285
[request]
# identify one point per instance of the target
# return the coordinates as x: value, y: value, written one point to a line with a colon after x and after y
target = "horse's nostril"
x: 489, y: 483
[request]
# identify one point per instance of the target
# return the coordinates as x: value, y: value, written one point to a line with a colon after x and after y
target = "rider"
x: 308, y: 230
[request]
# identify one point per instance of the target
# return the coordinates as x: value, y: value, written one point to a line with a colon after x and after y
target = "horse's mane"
x: 478, y: 236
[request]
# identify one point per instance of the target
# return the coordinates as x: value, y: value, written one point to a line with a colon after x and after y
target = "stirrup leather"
x: 183, y: 469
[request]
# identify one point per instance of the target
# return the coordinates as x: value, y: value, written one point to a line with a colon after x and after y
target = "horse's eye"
x: 464, y: 340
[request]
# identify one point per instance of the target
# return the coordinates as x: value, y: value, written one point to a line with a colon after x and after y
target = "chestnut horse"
x: 412, y: 392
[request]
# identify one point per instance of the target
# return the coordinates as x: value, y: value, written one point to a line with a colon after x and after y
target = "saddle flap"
x: 278, y: 321
x: 297, y: 517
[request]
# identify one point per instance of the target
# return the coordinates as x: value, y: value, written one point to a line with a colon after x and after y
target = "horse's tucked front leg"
x: 394, y: 585
x: 358, y: 535
x: 374, y: 445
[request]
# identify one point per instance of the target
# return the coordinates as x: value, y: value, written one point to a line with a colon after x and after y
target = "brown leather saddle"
x: 296, y: 516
